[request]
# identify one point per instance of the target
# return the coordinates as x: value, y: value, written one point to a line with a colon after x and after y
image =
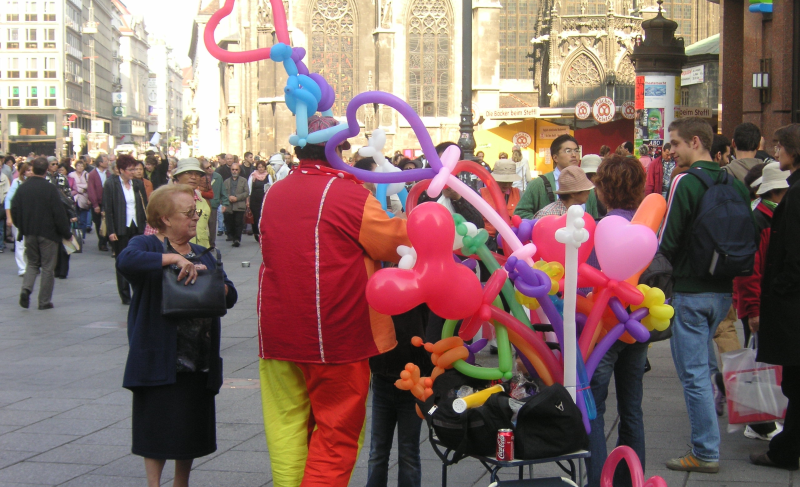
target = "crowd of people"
x: 161, y: 211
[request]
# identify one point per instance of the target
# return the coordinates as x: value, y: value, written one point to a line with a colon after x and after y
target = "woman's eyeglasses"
x: 191, y: 213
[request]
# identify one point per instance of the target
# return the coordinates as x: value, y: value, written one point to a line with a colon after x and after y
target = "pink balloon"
x: 634, y: 465
x: 623, y: 248
x: 550, y: 249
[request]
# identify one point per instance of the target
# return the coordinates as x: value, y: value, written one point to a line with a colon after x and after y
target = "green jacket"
x: 535, y: 198
x: 220, y: 193
x: 684, y: 199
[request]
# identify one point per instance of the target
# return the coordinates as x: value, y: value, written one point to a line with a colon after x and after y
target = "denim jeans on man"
x: 390, y: 407
x: 697, y: 316
x: 627, y: 362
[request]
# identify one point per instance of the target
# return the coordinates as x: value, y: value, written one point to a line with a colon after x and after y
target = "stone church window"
x: 626, y: 78
x: 681, y: 12
x: 429, y: 26
x: 582, y: 81
x: 333, y: 48
x: 517, y: 28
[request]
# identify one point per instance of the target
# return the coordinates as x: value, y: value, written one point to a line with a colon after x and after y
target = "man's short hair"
x: 628, y: 146
x: 747, y: 137
x: 40, y: 166
x: 718, y: 145
x: 443, y: 147
x: 691, y: 127
x: 667, y: 146
x: 561, y: 140
x: 311, y: 151
x: 248, y: 153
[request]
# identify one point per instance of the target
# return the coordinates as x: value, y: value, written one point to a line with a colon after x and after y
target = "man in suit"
x: 237, y: 192
x: 42, y: 220
x: 97, y: 179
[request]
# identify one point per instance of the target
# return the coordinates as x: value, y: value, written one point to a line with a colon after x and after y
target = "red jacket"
x: 95, y: 189
x: 655, y: 178
x: 747, y: 289
x: 322, y: 236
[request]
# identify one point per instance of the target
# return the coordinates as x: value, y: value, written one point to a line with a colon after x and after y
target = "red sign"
x: 639, y: 94
x: 628, y: 110
x: 604, y: 109
x: 583, y: 110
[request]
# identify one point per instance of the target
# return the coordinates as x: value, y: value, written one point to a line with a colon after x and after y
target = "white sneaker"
x: 750, y: 433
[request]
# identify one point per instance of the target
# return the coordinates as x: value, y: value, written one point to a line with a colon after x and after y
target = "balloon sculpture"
x: 542, y: 259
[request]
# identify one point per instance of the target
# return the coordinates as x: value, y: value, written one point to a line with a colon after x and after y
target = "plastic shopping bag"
x: 753, y: 388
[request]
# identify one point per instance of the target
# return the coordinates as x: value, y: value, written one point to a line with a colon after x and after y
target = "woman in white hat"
x: 190, y: 172
x: 505, y: 173
x: 573, y: 189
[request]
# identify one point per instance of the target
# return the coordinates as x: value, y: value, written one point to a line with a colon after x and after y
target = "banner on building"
x: 655, y: 106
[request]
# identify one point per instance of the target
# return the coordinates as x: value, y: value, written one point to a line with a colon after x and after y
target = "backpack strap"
x: 705, y: 178
x: 549, y: 188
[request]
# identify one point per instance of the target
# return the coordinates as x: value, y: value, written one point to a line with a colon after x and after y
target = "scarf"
x: 260, y: 177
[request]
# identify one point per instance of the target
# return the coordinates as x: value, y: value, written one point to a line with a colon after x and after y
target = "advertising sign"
x: 693, y: 75
x: 655, y: 106
x: 522, y: 139
x: 604, y: 109
x: 583, y: 110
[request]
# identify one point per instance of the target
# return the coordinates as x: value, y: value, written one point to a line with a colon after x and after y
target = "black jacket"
x: 779, y: 333
x: 224, y: 170
x: 115, y: 207
x: 159, y: 175
x: 37, y: 211
x: 407, y: 325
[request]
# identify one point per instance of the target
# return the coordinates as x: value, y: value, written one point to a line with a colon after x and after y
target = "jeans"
x: 84, y: 219
x: 627, y: 362
x: 390, y: 407
x: 697, y: 316
x: 220, y: 221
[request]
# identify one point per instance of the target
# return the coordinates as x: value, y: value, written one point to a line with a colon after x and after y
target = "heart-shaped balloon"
x: 549, y: 249
x: 623, y: 248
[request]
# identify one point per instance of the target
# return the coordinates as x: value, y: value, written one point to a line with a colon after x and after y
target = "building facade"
x: 130, y: 101
x: 165, y: 93
x: 526, y: 53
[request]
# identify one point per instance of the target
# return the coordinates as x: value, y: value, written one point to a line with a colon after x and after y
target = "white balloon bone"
x: 374, y: 149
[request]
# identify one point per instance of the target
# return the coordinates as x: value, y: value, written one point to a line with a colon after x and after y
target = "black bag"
x: 723, y: 238
x: 78, y: 235
x: 203, y: 299
x: 549, y: 425
x: 659, y: 274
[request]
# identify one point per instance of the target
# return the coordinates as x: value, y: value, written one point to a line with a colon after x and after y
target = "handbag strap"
x: 168, y: 249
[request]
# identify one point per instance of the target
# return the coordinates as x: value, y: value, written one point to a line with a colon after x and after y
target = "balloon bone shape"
x: 450, y: 290
x: 449, y: 160
x: 573, y: 234
x: 281, y: 32
x: 490, y: 292
x: 374, y: 150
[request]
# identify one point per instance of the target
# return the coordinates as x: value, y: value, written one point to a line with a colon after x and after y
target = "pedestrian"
x: 79, y: 184
x: 721, y: 151
x: 505, y: 174
x: 659, y: 173
x: 258, y: 184
x: 589, y: 165
x: 574, y: 188
x: 174, y: 367
x: 248, y: 165
x: 746, y: 138
x: 25, y: 171
x: 279, y: 166
x: 700, y: 300
x: 138, y: 173
x: 58, y: 176
x: 125, y: 201
x: 235, y: 205
x: 542, y: 190
x: 619, y: 185
x: 778, y: 333
x: 523, y: 168
x: 42, y: 220
x: 604, y: 151
x: 214, y: 181
x: 189, y: 172
x: 5, y: 185
x: 224, y: 169
x: 316, y: 370
x: 97, y: 179
x: 644, y: 156
x: 8, y: 166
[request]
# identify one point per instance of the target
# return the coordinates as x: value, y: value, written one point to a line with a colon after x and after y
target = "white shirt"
x: 102, y: 173
x: 130, y: 204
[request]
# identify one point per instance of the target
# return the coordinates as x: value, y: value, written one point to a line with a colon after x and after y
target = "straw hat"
x: 188, y: 164
x: 590, y: 163
x: 772, y: 178
x: 573, y: 180
x: 505, y: 171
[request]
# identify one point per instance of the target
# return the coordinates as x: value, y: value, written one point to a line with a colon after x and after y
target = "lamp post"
x: 465, y: 140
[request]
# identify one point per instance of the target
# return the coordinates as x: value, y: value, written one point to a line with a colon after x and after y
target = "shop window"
x: 25, y: 124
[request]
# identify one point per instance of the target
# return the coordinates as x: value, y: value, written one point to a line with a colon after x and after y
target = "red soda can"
x: 505, y: 445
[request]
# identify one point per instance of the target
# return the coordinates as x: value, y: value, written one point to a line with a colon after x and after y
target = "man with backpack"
x: 709, y: 238
x: 541, y: 191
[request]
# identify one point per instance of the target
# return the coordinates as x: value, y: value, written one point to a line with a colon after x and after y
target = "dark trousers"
x: 41, y: 254
x: 392, y: 407
x: 784, y: 448
x: 234, y: 224
x: 97, y: 219
x: 212, y: 229
x: 123, y: 286
x: 62, y: 263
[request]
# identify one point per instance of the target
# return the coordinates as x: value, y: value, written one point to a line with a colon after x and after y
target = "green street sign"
x: 119, y: 111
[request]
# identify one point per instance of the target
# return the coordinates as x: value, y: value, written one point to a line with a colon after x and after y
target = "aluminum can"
x: 505, y: 445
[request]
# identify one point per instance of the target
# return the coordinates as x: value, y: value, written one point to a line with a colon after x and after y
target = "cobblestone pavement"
x: 65, y: 419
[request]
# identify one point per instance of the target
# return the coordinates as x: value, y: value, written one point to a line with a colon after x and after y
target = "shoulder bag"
x: 203, y: 299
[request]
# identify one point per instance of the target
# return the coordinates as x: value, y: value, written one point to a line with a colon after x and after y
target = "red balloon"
x: 450, y: 290
x: 550, y: 249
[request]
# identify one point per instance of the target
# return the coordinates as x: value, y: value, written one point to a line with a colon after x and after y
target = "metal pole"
x: 466, y: 141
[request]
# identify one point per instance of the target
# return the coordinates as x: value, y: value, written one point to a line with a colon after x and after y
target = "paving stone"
x: 8, y: 457
x: 239, y: 461
x: 48, y: 474
x: 83, y: 454
x: 90, y: 480
x: 17, y: 441
x: 67, y: 426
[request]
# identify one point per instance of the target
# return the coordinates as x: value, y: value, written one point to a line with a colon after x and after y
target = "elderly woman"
x: 574, y: 188
x: 174, y: 367
x: 259, y: 182
x: 79, y: 184
x: 190, y: 172
x: 619, y: 184
x: 124, y: 201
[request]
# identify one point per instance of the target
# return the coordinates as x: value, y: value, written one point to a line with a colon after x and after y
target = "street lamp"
x: 465, y: 140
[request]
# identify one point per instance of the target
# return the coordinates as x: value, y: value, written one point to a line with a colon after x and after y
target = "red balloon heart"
x: 550, y: 249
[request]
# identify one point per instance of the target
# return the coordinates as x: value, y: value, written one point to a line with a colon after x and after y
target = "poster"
x: 655, y: 110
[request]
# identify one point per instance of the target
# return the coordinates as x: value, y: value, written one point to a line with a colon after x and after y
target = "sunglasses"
x: 191, y: 213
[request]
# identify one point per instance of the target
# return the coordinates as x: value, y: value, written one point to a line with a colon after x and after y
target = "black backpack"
x: 549, y: 425
x: 723, y: 238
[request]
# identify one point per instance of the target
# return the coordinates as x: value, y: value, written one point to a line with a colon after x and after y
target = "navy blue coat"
x: 152, y: 339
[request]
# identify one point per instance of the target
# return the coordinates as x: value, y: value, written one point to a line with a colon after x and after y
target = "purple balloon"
x: 298, y: 53
x: 353, y: 130
x: 328, y: 96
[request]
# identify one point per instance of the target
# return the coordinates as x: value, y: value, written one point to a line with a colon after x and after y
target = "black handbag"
x: 203, y: 299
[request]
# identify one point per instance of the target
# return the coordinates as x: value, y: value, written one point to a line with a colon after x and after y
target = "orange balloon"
x: 650, y: 214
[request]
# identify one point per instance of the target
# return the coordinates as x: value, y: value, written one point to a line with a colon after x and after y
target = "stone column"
x: 486, y: 56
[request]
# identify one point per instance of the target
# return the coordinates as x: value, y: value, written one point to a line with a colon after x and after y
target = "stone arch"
x: 582, y: 78
x: 333, y: 47
x: 429, y: 56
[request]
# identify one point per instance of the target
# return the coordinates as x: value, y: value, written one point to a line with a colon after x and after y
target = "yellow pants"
x: 318, y: 448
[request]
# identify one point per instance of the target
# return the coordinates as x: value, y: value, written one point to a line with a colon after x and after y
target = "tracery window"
x: 429, y: 28
x: 333, y: 48
x: 626, y: 77
x: 589, y: 7
x: 517, y: 28
x: 582, y: 81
